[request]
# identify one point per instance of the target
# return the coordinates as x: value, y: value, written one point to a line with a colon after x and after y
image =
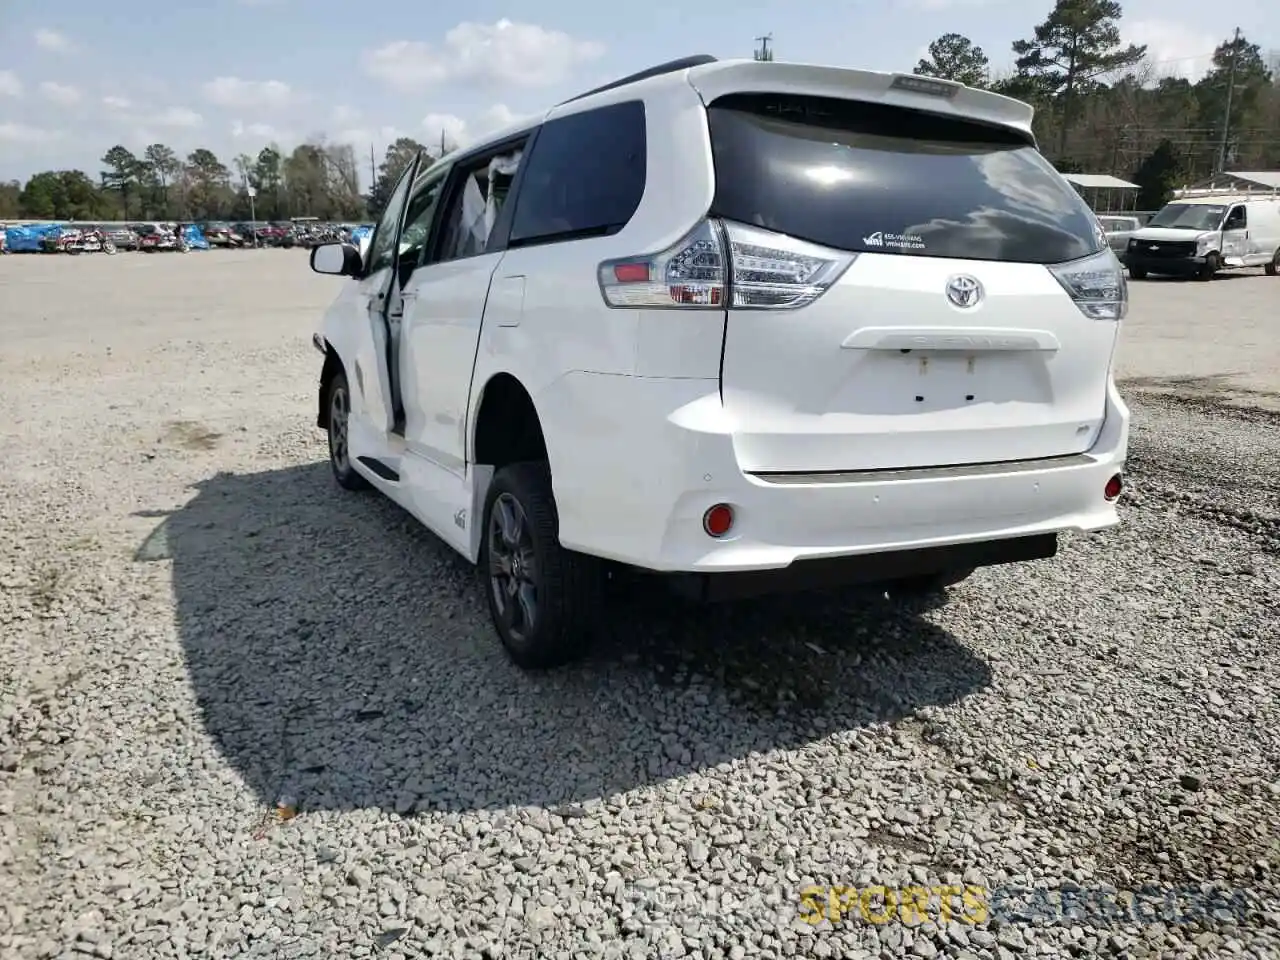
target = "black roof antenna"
x: 671, y: 66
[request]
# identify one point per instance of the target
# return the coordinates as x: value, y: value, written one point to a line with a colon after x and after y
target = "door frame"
x: 387, y: 364
x: 1235, y: 240
x: 498, y: 241
x: 498, y: 237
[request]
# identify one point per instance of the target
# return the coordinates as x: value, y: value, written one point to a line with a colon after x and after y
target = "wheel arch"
x: 332, y: 367
x: 506, y: 426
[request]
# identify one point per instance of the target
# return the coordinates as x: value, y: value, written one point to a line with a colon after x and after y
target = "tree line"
x: 315, y: 179
x: 1102, y: 106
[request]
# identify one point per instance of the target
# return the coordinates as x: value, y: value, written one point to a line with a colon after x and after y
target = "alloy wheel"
x: 339, y: 414
x: 513, y: 571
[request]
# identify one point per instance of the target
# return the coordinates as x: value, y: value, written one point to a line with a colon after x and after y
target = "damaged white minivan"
x: 749, y: 326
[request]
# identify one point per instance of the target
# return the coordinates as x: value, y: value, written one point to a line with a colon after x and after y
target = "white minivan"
x: 746, y: 326
x: 1202, y: 235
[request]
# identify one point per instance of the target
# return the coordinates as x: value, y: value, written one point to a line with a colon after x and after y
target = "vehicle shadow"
x: 342, y: 656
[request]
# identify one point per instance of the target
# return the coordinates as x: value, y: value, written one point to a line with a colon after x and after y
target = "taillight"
x: 1096, y: 284
x: 770, y: 271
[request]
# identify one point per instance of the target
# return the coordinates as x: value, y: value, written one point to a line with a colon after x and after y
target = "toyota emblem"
x: 964, y: 291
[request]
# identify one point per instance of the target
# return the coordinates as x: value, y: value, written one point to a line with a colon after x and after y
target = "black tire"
x: 1211, y: 267
x: 1272, y: 268
x: 338, y: 403
x: 928, y: 585
x: 1137, y: 273
x: 545, y: 601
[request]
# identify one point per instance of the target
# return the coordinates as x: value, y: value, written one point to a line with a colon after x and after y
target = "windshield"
x: 1189, y: 216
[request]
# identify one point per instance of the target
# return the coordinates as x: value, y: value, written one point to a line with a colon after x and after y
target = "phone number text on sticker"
x: 908, y: 241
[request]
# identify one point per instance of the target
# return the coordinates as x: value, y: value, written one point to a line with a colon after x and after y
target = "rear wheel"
x: 1272, y: 268
x: 339, y: 427
x: 544, y: 600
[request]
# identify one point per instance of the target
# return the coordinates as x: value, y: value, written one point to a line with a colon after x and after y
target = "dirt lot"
x: 1208, y: 340
x: 196, y: 625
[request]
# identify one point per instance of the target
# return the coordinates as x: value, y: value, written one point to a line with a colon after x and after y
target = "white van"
x: 746, y: 326
x: 1199, y: 236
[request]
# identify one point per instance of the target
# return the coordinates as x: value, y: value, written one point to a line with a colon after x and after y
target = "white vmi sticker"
x: 903, y: 241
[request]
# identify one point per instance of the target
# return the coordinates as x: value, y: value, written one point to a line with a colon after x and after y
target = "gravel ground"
x: 202, y: 637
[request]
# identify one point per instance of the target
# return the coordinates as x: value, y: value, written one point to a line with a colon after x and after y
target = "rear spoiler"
x: 945, y: 97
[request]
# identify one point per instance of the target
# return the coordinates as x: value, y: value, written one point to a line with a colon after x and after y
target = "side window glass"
x: 586, y: 175
x: 417, y: 224
x: 384, y: 234
x: 1236, y: 219
x: 474, y: 209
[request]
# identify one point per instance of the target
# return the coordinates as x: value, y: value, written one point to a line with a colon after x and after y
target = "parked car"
x: 271, y: 234
x: 56, y: 240
x: 91, y: 239
x: 221, y: 235
x: 1201, y: 236
x: 123, y: 236
x: 1118, y: 230
x: 155, y: 237
x: 781, y: 326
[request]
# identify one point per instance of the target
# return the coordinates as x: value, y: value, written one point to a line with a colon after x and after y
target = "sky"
x: 79, y: 76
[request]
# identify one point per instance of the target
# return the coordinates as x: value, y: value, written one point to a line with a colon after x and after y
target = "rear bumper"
x: 636, y: 462
x: 863, y: 568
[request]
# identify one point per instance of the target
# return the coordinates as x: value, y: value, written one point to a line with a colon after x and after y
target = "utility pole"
x: 1231, y: 89
x: 373, y: 170
x: 763, y: 53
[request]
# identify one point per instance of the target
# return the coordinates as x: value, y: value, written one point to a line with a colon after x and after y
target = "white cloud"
x: 52, y: 40
x: 179, y: 117
x: 363, y: 137
x: 499, y: 53
x: 10, y: 85
x: 60, y: 93
x: 344, y: 116
x: 443, y: 126
x: 234, y: 92
x: 20, y: 133
x: 255, y: 131
x: 173, y: 118
x: 459, y: 132
x: 1173, y: 49
x: 946, y: 4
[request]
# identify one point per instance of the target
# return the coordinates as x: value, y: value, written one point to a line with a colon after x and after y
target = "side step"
x: 380, y: 468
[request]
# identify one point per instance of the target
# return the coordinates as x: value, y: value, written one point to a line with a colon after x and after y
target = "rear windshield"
x: 866, y: 177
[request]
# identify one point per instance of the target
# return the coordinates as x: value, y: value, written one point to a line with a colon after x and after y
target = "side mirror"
x: 336, y: 259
